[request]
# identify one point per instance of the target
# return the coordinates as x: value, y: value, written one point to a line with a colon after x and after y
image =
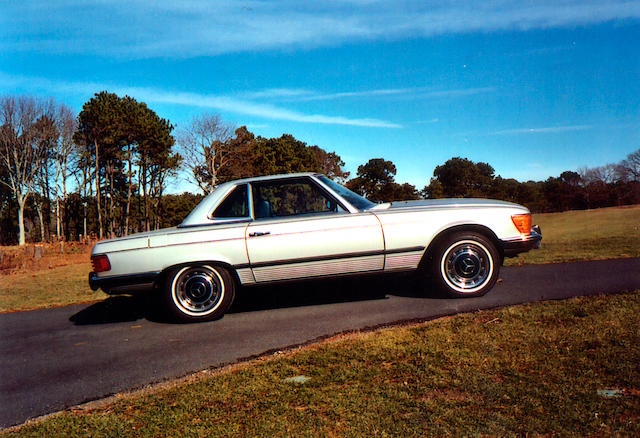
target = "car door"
x: 301, y: 231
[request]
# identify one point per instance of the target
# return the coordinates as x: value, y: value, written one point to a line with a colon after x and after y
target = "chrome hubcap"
x: 198, y: 290
x: 467, y: 266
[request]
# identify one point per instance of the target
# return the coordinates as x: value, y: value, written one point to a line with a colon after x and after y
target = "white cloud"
x: 216, y: 102
x: 427, y: 122
x: 139, y: 28
x: 544, y: 130
x: 302, y: 95
x: 276, y: 93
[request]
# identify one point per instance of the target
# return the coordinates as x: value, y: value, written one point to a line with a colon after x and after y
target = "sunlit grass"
x: 47, y: 288
x: 532, y: 369
x: 605, y: 233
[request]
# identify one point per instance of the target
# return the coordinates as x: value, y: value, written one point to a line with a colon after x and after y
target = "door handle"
x: 259, y: 233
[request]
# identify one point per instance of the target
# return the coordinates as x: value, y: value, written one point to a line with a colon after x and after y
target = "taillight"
x: 100, y: 263
x: 522, y: 222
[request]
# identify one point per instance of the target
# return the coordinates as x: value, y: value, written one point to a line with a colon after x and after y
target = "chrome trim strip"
x: 403, y: 261
x: 526, y: 238
x: 233, y: 221
x: 330, y: 257
x: 245, y: 276
x: 318, y: 268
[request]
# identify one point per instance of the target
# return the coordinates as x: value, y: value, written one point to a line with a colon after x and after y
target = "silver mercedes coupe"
x: 303, y: 226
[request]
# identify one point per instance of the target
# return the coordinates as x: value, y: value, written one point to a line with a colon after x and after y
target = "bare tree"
x: 631, y: 166
x: 64, y: 156
x: 46, y: 135
x: 205, y: 148
x: 606, y: 174
x: 82, y: 171
x: 20, y: 152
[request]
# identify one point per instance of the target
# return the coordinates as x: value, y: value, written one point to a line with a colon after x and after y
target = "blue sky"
x: 531, y: 87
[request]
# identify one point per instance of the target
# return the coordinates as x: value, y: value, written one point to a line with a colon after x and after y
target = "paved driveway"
x: 56, y: 358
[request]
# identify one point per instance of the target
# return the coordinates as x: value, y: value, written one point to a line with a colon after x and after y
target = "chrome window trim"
x: 350, y: 208
x: 219, y: 220
x: 250, y: 195
x: 346, y: 207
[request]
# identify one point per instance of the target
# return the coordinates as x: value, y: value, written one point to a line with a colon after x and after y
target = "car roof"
x: 270, y: 177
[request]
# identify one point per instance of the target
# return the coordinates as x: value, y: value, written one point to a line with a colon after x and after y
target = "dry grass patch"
x: 42, y: 256
x: 57, y: 286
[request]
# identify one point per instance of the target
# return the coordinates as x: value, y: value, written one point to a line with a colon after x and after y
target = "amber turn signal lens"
x: 522, y: 222
x: 100, y: 263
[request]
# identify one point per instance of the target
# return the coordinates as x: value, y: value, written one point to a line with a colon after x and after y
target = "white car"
x: 300, y: 226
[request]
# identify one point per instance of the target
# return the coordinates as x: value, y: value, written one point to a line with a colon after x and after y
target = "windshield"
x: 352, y: 198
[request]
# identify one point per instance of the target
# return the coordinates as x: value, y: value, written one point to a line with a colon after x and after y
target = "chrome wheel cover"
x: 466, y: 266
x: 197, y: 291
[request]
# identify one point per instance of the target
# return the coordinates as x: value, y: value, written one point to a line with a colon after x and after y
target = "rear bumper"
x: 122, y: 284
x: 511, y: 248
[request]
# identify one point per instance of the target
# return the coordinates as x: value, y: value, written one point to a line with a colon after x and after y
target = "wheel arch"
x: 162, y: 277
x: 444, y: 234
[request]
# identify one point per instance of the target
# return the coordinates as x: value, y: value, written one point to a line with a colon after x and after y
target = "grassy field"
x: 570, y: 236
x: 47, y: 288
x: 535, y: 369
x: 605, y: 233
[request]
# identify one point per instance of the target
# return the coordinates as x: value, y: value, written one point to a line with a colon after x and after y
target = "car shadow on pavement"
x: 128, y: 308
x: 319, y: 292
x: 121, y: 308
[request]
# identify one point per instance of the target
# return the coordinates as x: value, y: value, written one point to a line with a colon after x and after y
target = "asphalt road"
x: 56, y: 358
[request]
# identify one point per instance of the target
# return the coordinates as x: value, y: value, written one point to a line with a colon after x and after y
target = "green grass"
x: 605, y: 233
x: 47, y: 288
x: 531, y: 369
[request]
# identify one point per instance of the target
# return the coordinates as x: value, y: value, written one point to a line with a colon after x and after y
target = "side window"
x: 288, y: 198
x: 235, y: 205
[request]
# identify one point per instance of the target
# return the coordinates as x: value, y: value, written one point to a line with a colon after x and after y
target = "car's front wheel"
x: 199, y: 292
x: 466, y: 264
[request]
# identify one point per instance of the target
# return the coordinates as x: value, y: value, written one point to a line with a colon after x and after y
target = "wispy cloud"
x: 543, y: 130
x: 364, y: 93
x: 216, y: 102
x: 427, y: 122
x: 277, y: 93
x: 303, y: 95
x: 250, y: 108
x: 209, y: 27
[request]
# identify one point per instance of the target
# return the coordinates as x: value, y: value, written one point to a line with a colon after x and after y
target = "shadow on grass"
x: 128, y: 308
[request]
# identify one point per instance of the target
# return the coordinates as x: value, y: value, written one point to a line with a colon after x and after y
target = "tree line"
x: 119, y: 157
x: 104, y: 172
x: 604, y: 186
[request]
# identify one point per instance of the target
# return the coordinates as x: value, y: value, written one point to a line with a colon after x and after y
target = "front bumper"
x: 511, y: 248
x: 122, y: 284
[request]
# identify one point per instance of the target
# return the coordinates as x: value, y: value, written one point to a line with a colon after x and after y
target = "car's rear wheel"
x: 465, y: 264
x: 199, y: 292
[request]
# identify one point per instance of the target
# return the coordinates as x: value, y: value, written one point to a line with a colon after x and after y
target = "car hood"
x: 447, y: 203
